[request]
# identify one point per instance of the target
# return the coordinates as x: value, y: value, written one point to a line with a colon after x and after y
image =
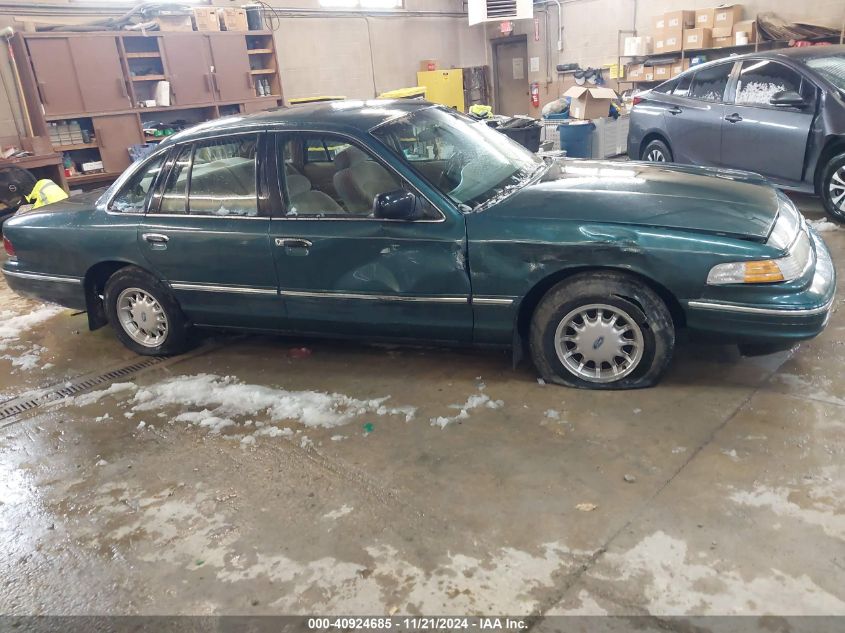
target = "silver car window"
x: 709, y: 83
x: 760, y: 80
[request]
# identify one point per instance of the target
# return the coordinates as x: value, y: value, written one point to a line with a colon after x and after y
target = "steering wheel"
x: 451, y: 175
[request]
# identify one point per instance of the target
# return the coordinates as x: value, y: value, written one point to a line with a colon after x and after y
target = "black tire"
x: 652, y: 331
x: 832, y: 188
x: 657, y: 148
x: 175, y: 340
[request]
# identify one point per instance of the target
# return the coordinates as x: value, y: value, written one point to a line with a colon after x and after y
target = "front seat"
x: 305, y: 200
x: 359, y: 180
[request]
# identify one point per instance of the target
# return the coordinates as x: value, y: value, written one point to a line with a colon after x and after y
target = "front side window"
x: 709, y: 83
x: 760, y: 80
x: 133, y: 197
x: 216, y: 177
x: 346, y: 185
x: 466, y: 160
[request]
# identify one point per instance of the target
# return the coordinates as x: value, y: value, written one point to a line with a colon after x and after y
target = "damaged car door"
x: 369, y: 256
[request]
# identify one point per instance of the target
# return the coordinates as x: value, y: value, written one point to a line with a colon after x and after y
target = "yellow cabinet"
x: 444, y: 86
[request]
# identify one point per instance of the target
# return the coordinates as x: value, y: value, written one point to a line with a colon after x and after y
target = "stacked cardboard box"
x: 701, y: 29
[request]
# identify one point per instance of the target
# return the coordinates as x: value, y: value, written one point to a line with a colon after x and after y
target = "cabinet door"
x: 232, y: 78
x: 189, y: 67
x: 55, y: 75
x: 99, y: 73
x: 115, y: 134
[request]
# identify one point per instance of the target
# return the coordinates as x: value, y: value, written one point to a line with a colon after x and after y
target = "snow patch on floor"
x: 818, y: 501
x: 342, y: 511
x: 824, y: 225
x: 216, y: 403
x: 24, y: 356
x: 673, y: 585
x: 475, y: 401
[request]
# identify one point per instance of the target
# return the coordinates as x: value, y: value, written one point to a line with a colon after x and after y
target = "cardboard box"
x: 748, y: 27
x: 172, y: 21
x: 205, y: 19
x: 722, y: 42
x: 648, y: 74
x: 696, y: 39
x: 636, y: 72
x: 673, y: 40
x: 679, y: 19
x: 589, y: 103
x: 704, y: 18
x: 662, y: 72
x: 428, y: 65
x: 727, y: 15
x: 638, y: 46
x: 722, y: 31
x: 232, y: 19
x: 679, y: 67
x: 658, y: 23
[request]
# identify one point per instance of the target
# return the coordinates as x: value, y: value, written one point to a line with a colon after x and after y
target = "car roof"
x: 341, y: 115
x: 798, y: 54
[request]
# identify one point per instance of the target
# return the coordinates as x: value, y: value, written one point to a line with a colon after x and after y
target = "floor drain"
x: 21, y: 404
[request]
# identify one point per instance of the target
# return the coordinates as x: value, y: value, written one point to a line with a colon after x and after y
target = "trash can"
x: 527, y: 135
x: 577, y: 139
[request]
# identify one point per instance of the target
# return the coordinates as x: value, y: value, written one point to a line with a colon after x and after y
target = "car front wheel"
x: 833, y: 188
x: 145, y: 317
x: 602, y: 330
x: 657, y: 152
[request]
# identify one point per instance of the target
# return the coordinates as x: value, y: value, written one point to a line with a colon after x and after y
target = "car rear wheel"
x: 657, y: 152
x: 145, y: 317
x: 833, y: 188
x: 602, y: 330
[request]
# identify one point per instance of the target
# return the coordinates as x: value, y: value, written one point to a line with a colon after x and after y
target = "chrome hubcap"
x: 599, y: 343
x: 656, y: 156
x: 142, y: 317
x: 837, y: 189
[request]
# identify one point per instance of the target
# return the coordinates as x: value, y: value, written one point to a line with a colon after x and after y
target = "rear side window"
x: 667, y: 87
x: 133, y: 197
x: 709, y: 84
x: 682, y: 87
x: 760, y: 80
x: 216, y: 177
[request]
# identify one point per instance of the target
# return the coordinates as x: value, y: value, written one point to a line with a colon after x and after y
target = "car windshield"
x: 465, y: 159
x: 831, y: 67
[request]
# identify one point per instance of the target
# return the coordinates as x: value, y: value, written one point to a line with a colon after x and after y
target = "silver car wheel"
x: 656, y: 156
x: 142, y: 317
x: 599, y: 343
x: 837, y: 188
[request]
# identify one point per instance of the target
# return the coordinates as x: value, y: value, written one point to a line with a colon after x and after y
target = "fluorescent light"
x: 362, y: 4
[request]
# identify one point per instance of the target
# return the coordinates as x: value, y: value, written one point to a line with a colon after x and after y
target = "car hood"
x: 723, y: 202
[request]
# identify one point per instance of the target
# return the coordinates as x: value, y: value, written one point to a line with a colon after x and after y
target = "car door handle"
x: 157, y: 241
x: 155, y: 238
x: 293, y: 242
x: 733, y: 118
x: 674, y: 110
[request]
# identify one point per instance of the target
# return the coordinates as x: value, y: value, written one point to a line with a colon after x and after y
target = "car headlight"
x: 765, y: 271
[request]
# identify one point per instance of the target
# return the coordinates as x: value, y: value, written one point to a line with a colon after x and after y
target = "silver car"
x: 780, y: 113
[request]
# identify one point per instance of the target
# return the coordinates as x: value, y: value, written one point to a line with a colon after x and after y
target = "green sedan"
x: 404, y: 221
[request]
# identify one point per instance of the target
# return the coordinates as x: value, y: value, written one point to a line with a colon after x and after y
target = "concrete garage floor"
x: 175, y: 490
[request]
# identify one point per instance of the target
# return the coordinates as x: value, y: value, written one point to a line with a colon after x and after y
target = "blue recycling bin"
x: 577, y: 139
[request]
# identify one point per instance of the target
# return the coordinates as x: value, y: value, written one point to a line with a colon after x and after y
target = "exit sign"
x: 506, y: 27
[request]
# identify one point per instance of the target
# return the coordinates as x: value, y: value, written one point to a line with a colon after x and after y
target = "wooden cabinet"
x: 231, y: 77
x: 99, y: 74
x: 115, y: 133
x: 55, y: 75
x: 188, y: 60
x: 76, y: 74
x: 100, y: 84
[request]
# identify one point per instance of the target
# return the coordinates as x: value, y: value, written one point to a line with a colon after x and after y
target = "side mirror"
x: 397, y: 205
x: 787, y: 99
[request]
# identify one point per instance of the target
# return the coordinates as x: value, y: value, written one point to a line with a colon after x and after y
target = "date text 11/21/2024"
x: 420, y: 623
